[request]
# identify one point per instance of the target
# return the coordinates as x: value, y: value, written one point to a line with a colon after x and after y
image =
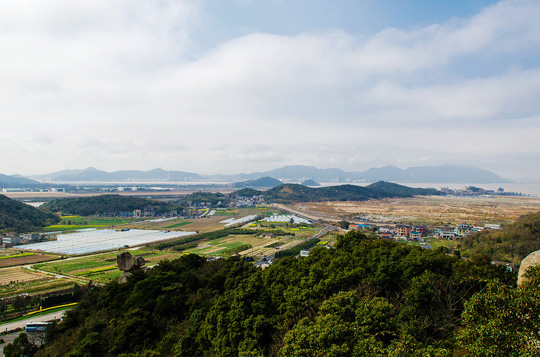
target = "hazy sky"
x: 214, y: 86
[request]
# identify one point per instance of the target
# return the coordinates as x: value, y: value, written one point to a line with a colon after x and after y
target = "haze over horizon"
x: 252, y: 85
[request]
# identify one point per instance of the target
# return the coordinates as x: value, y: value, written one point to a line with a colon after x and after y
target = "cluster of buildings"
x: 12, y: 239
x: 245, y: 201
x: 146, y: 212
x: 411, y: 232
x: 472, y: 191
x: 49, y: 189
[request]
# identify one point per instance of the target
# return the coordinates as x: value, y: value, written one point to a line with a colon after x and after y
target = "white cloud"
x: 118, y: 85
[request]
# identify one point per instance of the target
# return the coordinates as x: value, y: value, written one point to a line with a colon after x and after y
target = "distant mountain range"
x: 7, y: 181
x: 92, y: 174
x: 291, y: 173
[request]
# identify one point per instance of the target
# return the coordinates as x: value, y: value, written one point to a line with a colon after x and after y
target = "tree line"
x: 362, y: 298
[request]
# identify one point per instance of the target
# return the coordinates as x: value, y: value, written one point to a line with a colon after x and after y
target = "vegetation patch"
x: 16, y: 255
x: 296, y: 249
x: 180, y: 224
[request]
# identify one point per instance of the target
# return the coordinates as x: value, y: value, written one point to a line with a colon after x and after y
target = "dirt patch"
x: 18, y: 274
x: 428, y: 210
x: 29, y: 259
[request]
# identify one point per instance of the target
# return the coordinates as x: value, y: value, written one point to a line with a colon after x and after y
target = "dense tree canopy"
x: 364, y: 298
x: 15, y: 215
x: 512, y: 243
x: 88, y: 206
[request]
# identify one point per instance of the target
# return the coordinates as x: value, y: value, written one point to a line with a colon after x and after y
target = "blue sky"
x: 250, y: 85
x: 359, y: 17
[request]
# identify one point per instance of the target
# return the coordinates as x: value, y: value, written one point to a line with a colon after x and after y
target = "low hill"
x: 246, y: 192
x: 21, y: 217
x: 512, y: 243
x: 395, y: 190
x: 88, y: 206
x: 300, y: 193
x: 265, y: 182
x: 310, y: 183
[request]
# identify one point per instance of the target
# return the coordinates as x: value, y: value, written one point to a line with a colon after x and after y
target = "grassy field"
x: 179, y: 224
x: 437, y: 243
x: 69, y: 223
x: 102, y: 267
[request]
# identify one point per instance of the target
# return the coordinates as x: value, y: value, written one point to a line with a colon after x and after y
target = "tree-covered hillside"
x: 87, y: 206
x: 300, y: 193
x: 362, y: 298
x: 512, y: 243
x: 20, y: 217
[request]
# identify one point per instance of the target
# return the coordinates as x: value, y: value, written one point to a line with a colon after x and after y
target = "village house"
x: 403, y: 230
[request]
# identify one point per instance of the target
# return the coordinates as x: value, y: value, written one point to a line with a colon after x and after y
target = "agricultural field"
x: 18, y: 275
x: 254, y: 244
x: 40, y: 286
x: 70, y: 223
x: 203, y: 224
x: 16, y: 258
x: 102, y: 267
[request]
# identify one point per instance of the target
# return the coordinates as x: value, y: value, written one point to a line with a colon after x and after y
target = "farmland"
x: 101, y: 267
x: 18, y: 275
x: 24, y: 258
x: 45, y: 284
x: 101, y: 240
x: 70, y: 223
x: 52, y: 273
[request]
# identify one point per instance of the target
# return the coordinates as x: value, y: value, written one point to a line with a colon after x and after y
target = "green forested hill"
x: 363, y: 298
x: 21, y: 217
x: 512, y: 243
x: 87, y: 206
x: 381, y: 189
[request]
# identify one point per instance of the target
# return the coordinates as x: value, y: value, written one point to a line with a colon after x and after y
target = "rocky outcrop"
x: 127, y: 263
x: 529, y: 261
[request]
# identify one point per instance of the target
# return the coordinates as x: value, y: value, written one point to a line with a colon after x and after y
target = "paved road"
x: 8, y: 339
x: 33, y: 318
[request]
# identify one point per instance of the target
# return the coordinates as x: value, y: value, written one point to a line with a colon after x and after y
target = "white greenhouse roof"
x: 101, y: 240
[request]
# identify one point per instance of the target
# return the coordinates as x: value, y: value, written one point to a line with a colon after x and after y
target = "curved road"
x: 9, y: 326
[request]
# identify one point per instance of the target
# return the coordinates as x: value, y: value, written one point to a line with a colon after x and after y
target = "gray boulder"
x: 128, y: 262
x: 529, y: 261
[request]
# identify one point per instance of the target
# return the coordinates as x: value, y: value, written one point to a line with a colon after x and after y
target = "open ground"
x: 18, y: 275
x: 425, y: 209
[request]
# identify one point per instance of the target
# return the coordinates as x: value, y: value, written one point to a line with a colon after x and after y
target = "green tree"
x: 347, y: 325
x: 348, y: 240
x: 20, y: 347
x: 503, y: 321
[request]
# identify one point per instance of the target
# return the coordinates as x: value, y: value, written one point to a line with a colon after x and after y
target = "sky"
x: 236, y: 86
